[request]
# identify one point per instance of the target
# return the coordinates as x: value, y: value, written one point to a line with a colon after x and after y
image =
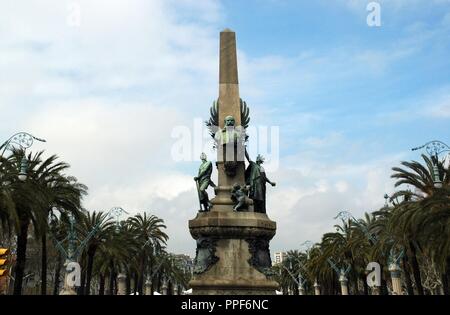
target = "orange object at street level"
x: 3, y: 260
x: 3, y: 270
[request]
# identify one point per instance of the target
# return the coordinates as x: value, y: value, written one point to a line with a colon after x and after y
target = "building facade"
x: 279, y: 257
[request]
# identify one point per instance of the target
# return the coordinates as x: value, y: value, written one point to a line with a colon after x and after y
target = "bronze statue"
x: 203, y: 180
x: 239, y: 196
x: 230, y: 133
x: 256, y: 178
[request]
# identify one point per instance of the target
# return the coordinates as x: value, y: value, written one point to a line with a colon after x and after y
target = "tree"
x: 28, y: 202
x: 95, y: 227
x: 64, y: 196
x: 419, y: 216
x: 149, y: 230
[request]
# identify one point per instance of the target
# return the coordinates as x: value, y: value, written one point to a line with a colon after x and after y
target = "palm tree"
x: 415, y: 215
x: 119, y: 251
x: 338, y: 246
x: 58, y: 228
x: 28, y: 202
x: 169, y: 270
x: 363, y: 242
x: 435, y: 227
x: 149, y: 230
x: 291, y: 270
x: 64, y: 196
x: 95, y: 227
x: 7, y: 206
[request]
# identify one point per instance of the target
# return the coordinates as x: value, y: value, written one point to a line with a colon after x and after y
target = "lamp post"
x: 74, y: 251
x: 386, y: 198
x: 164, y: 286
x: 344, y: 283
x: 121, y: 284
x: 301, y: 289
x: 316, y: 288
x: 394, y: 265
x: 342, y: 274
x: 434, y: 149
x: 24, y: 140
x: 299, y: 281
x: 395, y: 271
x: 306, y: 247
x: 148, y: 286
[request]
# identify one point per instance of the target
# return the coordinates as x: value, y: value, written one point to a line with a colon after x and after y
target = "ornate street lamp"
x: 23, y: 168
x: 386, y: 198
x: 115, y: 213
x: 290, y: 270
x: 306, y: 246
x: 74, y: 249
x: 24, y: 140
x: 434, y: 149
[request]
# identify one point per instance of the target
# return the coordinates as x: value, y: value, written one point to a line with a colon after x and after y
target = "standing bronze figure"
x: 203, y: 180
x: 255, y: 177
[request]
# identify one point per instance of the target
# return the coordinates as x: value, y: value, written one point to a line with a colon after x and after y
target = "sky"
x: 107, y: 88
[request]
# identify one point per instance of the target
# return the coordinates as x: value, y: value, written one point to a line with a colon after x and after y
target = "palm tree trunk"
x: 136, y: 279
x: 22, y: 240
x: 141, y: 275
x: 406, y: 271
x: 128, y: 283
x: 44, y: 264
x: 355, y: 285
x: 115, y: 283
x: 90, y: 264
x: 111, y: 283
x: 446, y: 278
x: 83, y: 275
x: 57, y: 275
x: 365, y: 286
x: 150, y: 266
x: 383, y: 289
x: 416, y: 269
x: 111, y: 277
x: 101, y: 288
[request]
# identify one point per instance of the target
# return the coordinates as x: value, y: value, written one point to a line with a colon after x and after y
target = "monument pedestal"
x: 233, y: 256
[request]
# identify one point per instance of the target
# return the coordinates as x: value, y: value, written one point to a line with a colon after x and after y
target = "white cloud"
x: 107, y: 94
x: 341, y: 186
x: 312, y: 202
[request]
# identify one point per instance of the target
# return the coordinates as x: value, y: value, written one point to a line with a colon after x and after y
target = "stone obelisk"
x: 232, y: 255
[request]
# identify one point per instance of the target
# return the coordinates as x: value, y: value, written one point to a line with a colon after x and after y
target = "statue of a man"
x: 255, y: 177
x: 230, y: 133
x: 203, y: 180
x: 230, y: 140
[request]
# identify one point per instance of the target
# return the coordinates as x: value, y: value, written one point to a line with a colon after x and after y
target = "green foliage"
x: 415, y: 228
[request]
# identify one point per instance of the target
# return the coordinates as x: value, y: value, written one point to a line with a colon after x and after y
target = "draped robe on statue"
x: 255, y: 176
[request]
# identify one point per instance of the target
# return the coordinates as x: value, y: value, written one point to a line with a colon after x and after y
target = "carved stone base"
x: 233, y: 256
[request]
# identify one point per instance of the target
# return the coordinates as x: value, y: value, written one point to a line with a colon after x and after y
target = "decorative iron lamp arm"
x: 434, y: 148
x: 22, y: 139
